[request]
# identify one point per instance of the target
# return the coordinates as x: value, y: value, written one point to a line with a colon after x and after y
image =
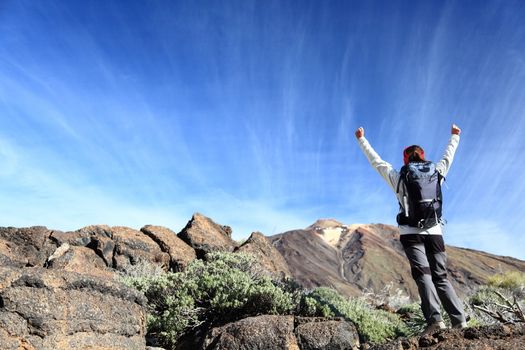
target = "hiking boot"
x: 460, y: 325
x: 436, y: 326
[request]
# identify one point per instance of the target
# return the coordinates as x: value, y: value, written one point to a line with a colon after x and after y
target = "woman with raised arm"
x: 418, y: 189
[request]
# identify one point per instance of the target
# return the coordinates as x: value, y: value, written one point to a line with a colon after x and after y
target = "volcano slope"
x: 356, y: 258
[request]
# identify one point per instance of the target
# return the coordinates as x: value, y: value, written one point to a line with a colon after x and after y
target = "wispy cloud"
x: 487, y: 236
x: 246, y: 112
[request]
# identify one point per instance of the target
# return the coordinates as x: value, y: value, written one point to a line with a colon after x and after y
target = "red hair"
x: 413, y: 153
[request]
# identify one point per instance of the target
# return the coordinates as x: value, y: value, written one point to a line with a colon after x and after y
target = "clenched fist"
x: 360, y: 132
x: 455, y: 129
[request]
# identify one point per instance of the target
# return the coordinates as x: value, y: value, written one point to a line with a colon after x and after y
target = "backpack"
x: 422, y: 200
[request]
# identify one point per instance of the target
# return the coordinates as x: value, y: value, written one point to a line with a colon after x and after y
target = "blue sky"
x: 133, y: 113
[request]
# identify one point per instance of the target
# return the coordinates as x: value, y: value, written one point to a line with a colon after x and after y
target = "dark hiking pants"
x: 428, y: 259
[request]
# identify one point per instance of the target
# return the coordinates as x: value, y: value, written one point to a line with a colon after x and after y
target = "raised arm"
x: 384, y: 168
x: 443, y: 166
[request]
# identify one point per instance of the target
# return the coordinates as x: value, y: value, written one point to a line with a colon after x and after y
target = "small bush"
x: 222, y: 288
x: 503, y: 299
x: 512, y: 280
x: 225, y: 287
x: 413, y: 317
x: 492, y: 304
x: 376, y: 326
x: 142, y: 268
x: 388, y: 296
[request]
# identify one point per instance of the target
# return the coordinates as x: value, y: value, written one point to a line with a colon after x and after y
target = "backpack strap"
x: 442, y: 178
x: 402, y: 207
x: 402, y: 174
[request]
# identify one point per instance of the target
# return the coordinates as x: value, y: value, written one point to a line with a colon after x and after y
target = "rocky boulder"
x: 83, y: 236
x: 179, y: 252
x: 204, y: 235
x: 80, y: 260
x: 118, y: 247
x: 260, y: 332
x: 98, y: 250
x: 99, y: 238
x: 283, y: 332
x: 266, y: 254
x: 132, y: 246
x: 321, y: 333
x: 25, y: 246
x: 9, y: 256
x: 53, y: 310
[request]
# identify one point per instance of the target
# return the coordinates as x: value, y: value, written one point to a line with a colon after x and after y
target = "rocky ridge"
x: 58, y: 289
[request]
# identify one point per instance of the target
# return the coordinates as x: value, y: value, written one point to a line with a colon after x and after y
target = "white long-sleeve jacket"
x: 391, y: 176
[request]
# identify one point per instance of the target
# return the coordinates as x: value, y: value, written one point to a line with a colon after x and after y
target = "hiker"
x: 418, y: 189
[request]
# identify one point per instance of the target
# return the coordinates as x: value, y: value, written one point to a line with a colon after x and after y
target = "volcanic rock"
x: 132, y: 246
x: 105, y: 248
x: 321, y: 333
x: 180, y: 253
x: 76, y: 303
x: 204, y: 235
x: 59, y: 252
x: 81, y: 260
x: 52, y: 309
x: 9, y: 256
x: 83, y: 236
x: 118, y: 247
x: 283, y: 332
x: 260, y: 332
x: 25, y: 246
x: 266, y: 254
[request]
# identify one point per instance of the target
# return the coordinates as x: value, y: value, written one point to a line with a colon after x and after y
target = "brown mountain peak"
x: 325, y: 223
x: 356, y: 257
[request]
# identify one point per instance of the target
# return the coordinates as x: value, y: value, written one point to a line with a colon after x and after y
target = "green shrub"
x: 376, y: 326
x: 509, y: 280
x: 483, y: 296
x: 413, y: 317
x: 491, y: 304
x: 225, y: 287
x: 222, y: 288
